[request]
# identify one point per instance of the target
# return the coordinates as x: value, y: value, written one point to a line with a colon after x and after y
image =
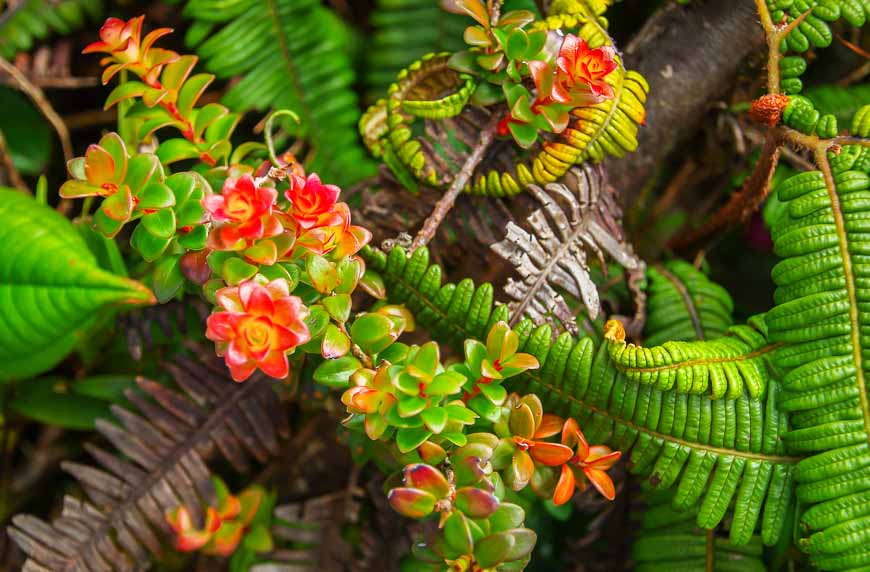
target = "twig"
x: 445, y: 203
x: 57, y: 82
x: 742, y: 203
x: 39, y: 99
x: 774, y: 35
x: 14, y: 176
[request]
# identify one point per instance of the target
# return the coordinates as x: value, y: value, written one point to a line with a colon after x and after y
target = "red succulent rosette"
x: 128, y: 50
x: 244, y: 212
x: 258, y: 325
x: 581, y: 71
x: 338, y: 240
x: 312, y: 202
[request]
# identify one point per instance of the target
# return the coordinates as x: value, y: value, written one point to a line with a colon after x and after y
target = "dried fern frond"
x: 163, y: 447
x: 578, y: 216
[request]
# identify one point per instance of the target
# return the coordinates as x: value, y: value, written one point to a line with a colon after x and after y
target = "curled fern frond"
x: 163, y: 446
x: 714, y: 452
x: 822, y: 301
x: 405, y: 31
x: 27, y: 22
x: 683, y: 304
x: 289, y: 54
x: 451, y: 312
x: 431, y: 148
x: 724, y: 367
x: 669, y: 541
x: 579, y: 214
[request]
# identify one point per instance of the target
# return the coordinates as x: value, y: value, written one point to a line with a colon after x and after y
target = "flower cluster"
x: 261, y: 252
x: 485, y: 471
x: 577, y: 78
x: 226, y: 526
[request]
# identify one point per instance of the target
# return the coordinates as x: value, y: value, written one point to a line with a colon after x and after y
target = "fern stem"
x: 563, y: 395
x: 446, y: 202
x: 686, y: 297
x: 821, y: 157
x: 742, y: 203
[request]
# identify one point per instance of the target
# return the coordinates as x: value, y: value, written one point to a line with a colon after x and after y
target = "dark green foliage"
x: 405, y: 31
x: 669, y: 541
x: 822, y: 299
x: 842, y: 102
x: 32, y: 20
x: 684, y: 304
x: 290, y: 54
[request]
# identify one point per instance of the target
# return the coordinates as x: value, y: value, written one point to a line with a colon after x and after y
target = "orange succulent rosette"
x: 243, y: 212
x: 259, y: 325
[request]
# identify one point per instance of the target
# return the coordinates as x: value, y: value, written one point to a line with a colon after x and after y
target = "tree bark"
x: 690, y: 56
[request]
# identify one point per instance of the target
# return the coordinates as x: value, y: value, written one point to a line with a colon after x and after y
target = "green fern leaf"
x: 842, y: 102
x: 684, y: 304
x: 405, y: 31
x: 451, y: 312
x: 669, y: 541
x: 32, y: 20
x: 289, y: 54
x: 822, y: 312
x: 714, y: 451
x: 724, y: 366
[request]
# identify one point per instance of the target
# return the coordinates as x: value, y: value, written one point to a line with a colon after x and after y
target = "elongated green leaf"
x: 49, y: 401
x: 51, y: 287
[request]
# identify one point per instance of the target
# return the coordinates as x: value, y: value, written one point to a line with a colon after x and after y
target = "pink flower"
x: 259, y: 325
x: 245, y: 211
x: 312, y: 202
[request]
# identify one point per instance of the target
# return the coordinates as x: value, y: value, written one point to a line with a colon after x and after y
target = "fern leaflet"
x: 290, y: 54
x: 29, y: 21
x: 684, y: 304
x: 579, y: 214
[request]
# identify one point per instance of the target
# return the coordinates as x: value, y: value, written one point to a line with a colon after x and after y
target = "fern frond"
x: 821, y: 310
x: 714, y: 451
x: 815, y: 30
x: 724, y: 367
x: 29, y: 21
x: 405, y: 31
x: 577, y: 215
x: 451, y: 312
x: 423, y: 135
x: 289, y: 54
x: 669, y: 541
x: 163, y: 446
x: 683, y: 304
